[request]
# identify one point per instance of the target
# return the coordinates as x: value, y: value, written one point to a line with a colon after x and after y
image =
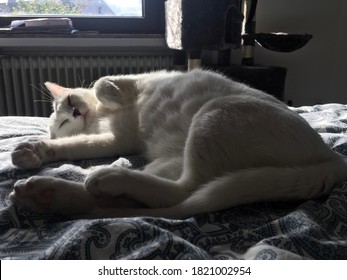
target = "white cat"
x: 212, y: 143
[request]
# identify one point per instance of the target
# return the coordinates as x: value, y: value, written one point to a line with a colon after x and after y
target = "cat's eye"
x: 64, y: 122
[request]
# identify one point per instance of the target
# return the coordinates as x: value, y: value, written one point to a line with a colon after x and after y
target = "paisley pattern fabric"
x: 314, y: 229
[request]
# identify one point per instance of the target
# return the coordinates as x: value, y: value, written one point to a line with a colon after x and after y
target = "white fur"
x: 212, y: 143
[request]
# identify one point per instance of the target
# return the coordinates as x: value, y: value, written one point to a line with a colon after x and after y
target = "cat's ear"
x: 56, y: 90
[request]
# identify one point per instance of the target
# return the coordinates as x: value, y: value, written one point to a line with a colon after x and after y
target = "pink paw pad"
x: 50, y: 153
x: 29, y: 186
x: 45, y: 197
x: 32, y: 190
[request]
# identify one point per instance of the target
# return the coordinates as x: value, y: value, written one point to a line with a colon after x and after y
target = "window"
x: 72, y: 8
x: 105, y: 16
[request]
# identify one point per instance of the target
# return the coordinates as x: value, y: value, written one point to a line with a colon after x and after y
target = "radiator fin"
x: 22, y: 77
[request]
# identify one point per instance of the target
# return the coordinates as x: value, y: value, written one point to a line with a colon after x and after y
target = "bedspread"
x: 314, y: 229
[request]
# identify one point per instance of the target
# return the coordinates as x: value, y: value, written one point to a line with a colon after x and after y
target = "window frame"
x: 153, y: 21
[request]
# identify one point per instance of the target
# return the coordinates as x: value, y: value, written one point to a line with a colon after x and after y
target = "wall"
x: 316, y: 73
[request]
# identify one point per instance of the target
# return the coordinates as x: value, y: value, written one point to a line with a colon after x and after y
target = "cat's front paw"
x: 26, y: 155
x: 32, y: 155
x: 107, y: 92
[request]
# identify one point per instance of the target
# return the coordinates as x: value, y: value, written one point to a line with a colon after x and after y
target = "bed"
x: 314, y: 229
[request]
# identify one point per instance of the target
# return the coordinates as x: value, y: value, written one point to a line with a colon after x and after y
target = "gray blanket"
x: 314, y: 229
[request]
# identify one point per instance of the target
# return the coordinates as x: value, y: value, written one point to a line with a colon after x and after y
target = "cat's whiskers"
x: 91, y: 85
x: 82, y: 82
x: 42, y: 100
x: 85, y: 85
x: 46, y: 95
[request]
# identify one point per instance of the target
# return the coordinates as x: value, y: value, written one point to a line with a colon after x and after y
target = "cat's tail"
x: 252, y: 185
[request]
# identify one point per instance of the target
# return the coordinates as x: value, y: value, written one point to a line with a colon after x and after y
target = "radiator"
x: 22, y: 77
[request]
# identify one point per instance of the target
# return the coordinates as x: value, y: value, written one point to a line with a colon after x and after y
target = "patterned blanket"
x: 314, y: 229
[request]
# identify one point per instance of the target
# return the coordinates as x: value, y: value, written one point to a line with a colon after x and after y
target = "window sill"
x: 84, y: 40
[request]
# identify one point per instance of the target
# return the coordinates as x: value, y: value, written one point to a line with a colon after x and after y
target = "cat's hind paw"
x: 50, y: 195
x: 26, y: 155
x: 107, y: 181
x: 33, y: 194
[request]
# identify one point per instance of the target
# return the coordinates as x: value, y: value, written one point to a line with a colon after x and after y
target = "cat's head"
x: 73, y: 110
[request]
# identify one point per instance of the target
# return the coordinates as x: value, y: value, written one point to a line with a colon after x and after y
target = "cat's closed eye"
x: 64, y: 122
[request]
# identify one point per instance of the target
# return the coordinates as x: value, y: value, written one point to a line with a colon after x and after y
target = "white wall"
x: 316, y: 73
